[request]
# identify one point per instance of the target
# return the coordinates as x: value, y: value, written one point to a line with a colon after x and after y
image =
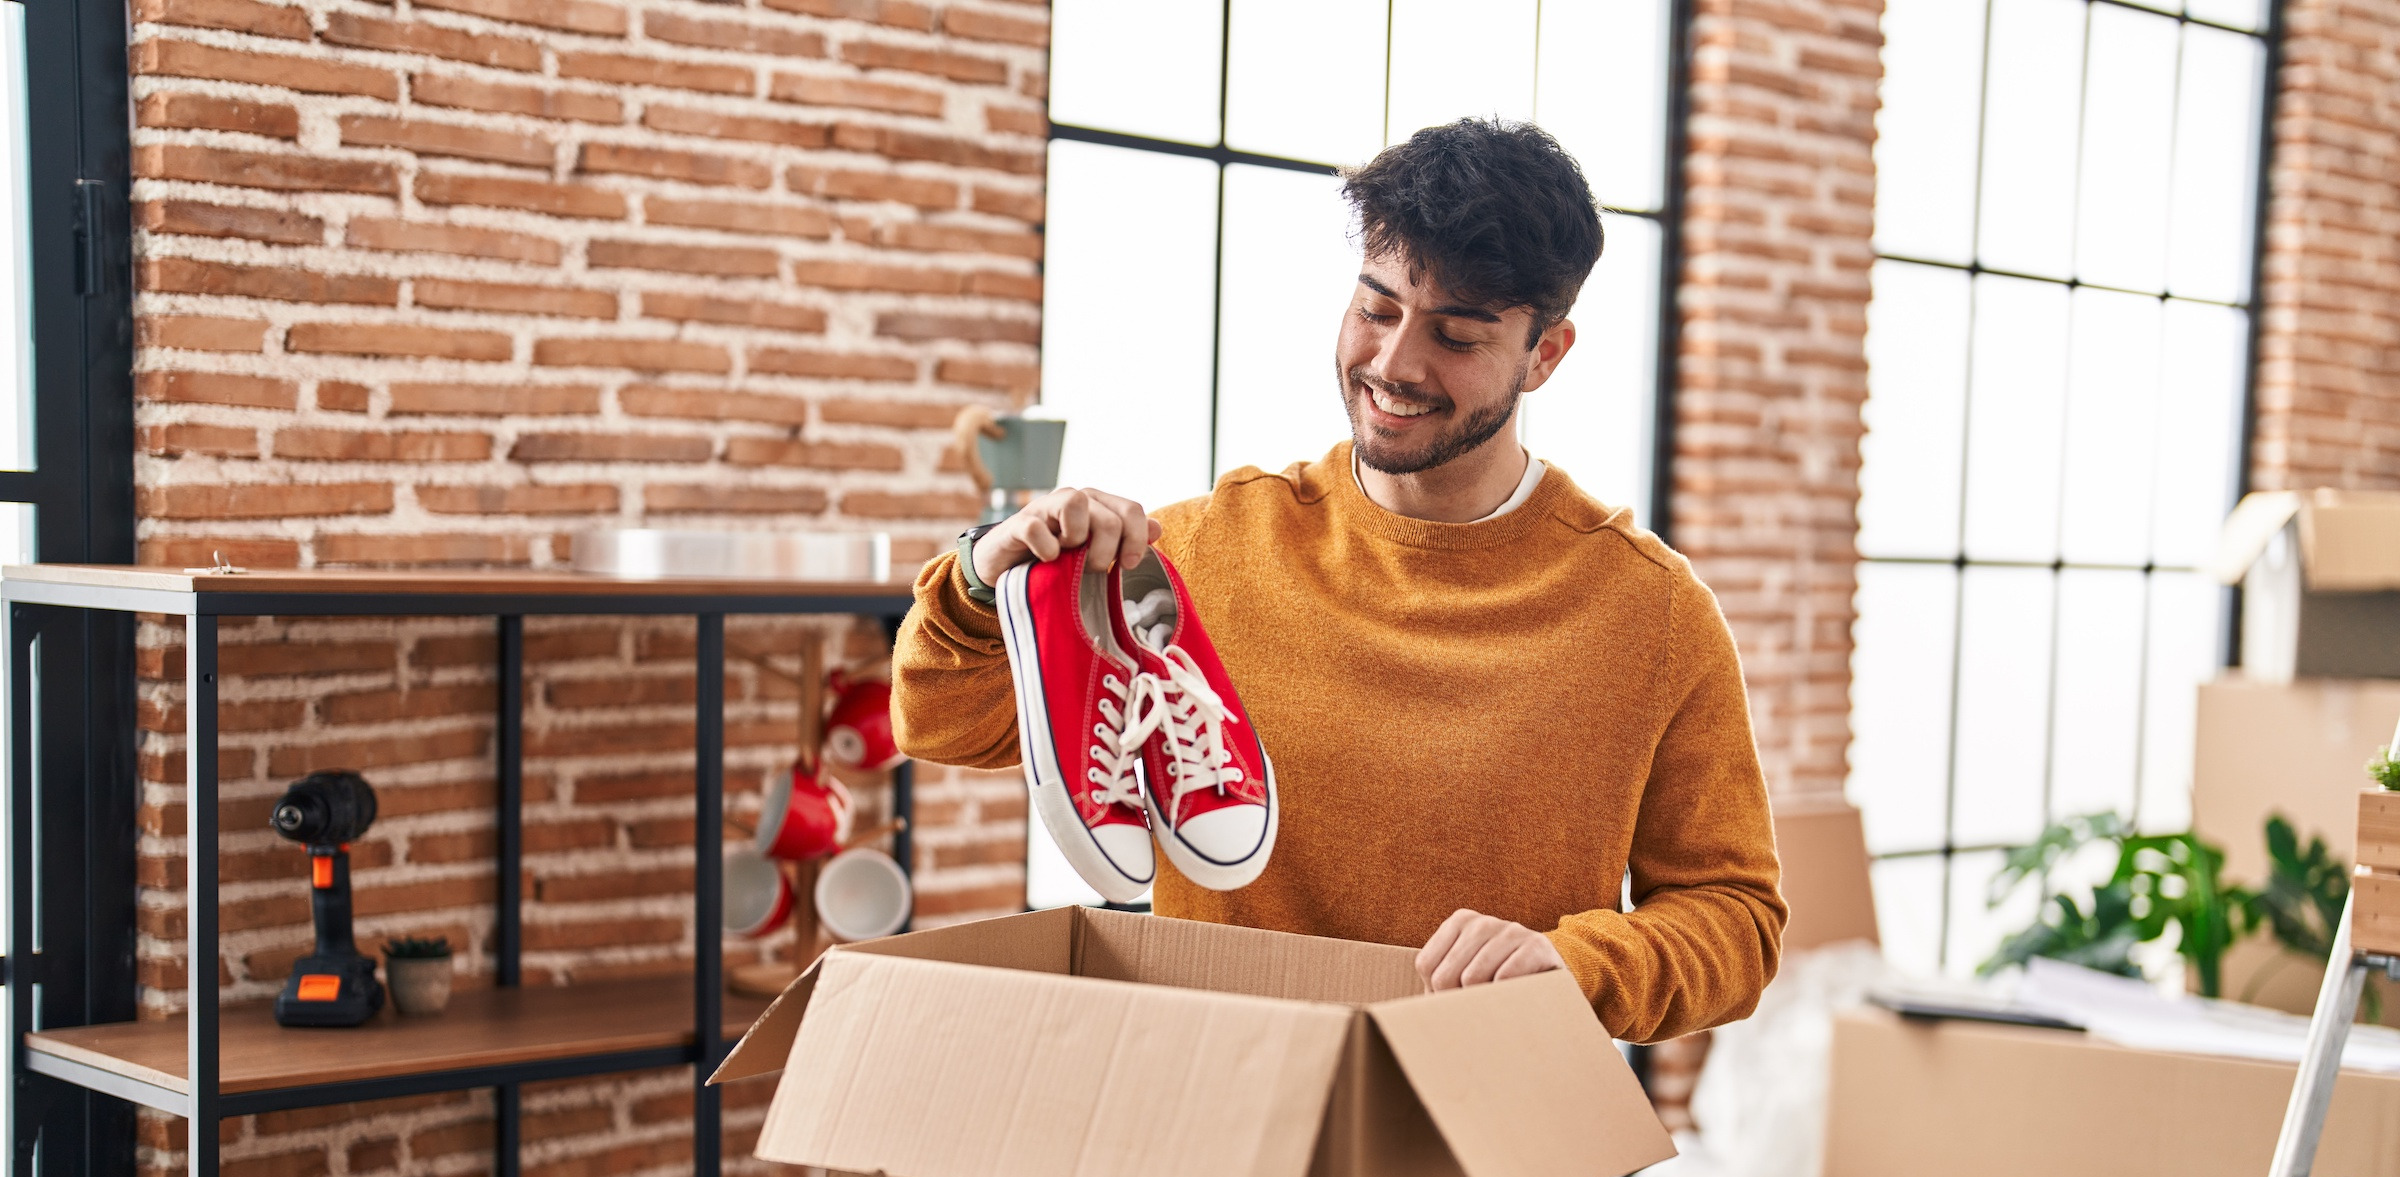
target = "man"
x: 1491, y: 701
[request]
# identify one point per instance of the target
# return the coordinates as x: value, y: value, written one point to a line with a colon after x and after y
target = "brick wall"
x: 440, y: 282
x: 1781, y: 191
x: 2329, y: 355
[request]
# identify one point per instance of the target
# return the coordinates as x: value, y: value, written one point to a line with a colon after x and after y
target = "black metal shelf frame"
x: 38, y: 607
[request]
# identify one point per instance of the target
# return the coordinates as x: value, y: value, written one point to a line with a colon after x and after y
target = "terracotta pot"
x: 420, y: 984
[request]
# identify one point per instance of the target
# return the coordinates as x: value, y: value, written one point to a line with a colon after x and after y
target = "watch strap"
x: 977, y: 590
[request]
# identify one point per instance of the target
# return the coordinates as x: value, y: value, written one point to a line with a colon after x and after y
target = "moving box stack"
x: 2375, y: 912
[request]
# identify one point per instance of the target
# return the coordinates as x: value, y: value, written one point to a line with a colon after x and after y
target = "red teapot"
x: 858, y: 733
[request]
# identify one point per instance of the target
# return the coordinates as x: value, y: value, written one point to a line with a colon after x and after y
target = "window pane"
x: 1145, y: 69
x: 1130, y: 375
x: 1305, y: 79
x: 1925, y: 134
x: 2215, y: 188
x: 2014, y: 409
x: 2200, y: 407
x: 1603, y: 93
x: 2112, y: 413
x: 1454, y: 58
x: 2241, y: 14
x: 2097, y: 715
x: 1900, y: 703
x: 1289, y: 270
x: 1908, y: 912
x: 1593, y: 417
x: 2003, y: 705
x: 2128, y: 126
x: 1977, y: 928
x: 1909, y: 478
x: 16, y: 258
x: 2186, y: 610
x: 2033, y: 86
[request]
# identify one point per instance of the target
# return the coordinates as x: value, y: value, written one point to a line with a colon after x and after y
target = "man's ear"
x: 1548, y: 350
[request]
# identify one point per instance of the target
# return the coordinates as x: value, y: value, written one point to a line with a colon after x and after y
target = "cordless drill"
x: 335, y: 985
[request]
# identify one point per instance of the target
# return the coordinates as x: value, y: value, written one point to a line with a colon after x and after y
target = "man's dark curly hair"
x: 1496, y: 211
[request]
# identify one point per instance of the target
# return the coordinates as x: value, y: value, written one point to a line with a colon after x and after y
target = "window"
x: 2058, y: 347
x: 1198, y: 249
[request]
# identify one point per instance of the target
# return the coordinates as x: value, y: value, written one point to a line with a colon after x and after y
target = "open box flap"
x: 934, y: 1069
x: 2350, y: 540
x: 1522, y: 1081
x: 1221, y: 958
x: 1040, y: 942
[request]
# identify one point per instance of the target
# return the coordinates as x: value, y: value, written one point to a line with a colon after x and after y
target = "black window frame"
x: 2270, y: 34
x: 78, y: 154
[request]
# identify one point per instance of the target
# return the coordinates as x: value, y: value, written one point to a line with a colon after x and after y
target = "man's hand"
x: 1065, y: 519
x: 1471, y: 948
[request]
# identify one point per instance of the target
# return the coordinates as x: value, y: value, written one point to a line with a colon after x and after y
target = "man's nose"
x: 1402, y: 358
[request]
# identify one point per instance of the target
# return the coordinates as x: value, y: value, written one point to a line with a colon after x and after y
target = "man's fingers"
x: 1134, y: 535
x: 1430, y: 957
x: 1072, y: 520
x: 1040, y: 541
x: 1487, y: 960
x: 1532, y: 956
x: 1471, y: 940
x: 1106, y: 528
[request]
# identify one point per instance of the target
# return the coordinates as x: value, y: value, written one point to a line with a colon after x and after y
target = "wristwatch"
x: 976, y: 589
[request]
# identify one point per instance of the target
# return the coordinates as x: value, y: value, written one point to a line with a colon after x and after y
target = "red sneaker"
x: 1075, y: 685
x: 1210, y: 785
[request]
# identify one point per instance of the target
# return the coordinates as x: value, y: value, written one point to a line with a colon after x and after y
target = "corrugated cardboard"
x: 2299, y: 749
x: 1090, y: 1042
x: 1823, y: 850
x: 1968, y: 1100
x: 2317, y: 570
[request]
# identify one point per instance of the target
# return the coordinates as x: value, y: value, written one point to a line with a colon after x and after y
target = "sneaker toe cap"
x: 1127, y: 848
x: 1228, y: 835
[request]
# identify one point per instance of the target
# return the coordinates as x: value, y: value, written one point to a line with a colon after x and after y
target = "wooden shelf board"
x: 460, y: 582
x: 485, y: 1027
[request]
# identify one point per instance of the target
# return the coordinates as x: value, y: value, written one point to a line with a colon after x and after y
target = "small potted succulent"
x: 419, y: 970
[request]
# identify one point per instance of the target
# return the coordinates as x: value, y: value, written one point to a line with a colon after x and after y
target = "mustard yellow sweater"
x: 1507, y: 715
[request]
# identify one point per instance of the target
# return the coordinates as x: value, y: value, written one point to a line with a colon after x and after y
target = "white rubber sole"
x: 1043, y: 778
x: 1209, y: 872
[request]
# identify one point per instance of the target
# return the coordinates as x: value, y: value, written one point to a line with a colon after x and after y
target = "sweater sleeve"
x: 953, y: 698
x: 1706, y: 930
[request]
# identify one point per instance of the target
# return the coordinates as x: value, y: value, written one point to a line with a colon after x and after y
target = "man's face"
x: 1428, y: 378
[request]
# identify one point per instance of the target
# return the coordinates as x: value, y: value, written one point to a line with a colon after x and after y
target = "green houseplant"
x: 2161, y: 882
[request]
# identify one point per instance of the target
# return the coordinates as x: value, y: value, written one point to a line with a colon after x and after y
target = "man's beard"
x: 1473, y: 430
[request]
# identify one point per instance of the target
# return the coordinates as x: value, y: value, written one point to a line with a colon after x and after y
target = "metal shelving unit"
x: 243, y: 1064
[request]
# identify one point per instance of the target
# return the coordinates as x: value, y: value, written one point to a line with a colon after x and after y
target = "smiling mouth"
x: 1393, y: 406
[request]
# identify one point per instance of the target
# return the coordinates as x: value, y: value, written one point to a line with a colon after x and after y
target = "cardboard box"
x: 1970, y: 1100
x: 1089, y: 1042
x: 2299, y: 749
x: 1823, y: 850
x: 2317, y: 570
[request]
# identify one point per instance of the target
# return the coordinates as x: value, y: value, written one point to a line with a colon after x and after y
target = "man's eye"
x: 1454, y: 344
x: 1372, y: 317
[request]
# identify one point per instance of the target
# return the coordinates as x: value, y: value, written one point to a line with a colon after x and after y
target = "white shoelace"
x: 1120, y: 745
x: 1192, y: 717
